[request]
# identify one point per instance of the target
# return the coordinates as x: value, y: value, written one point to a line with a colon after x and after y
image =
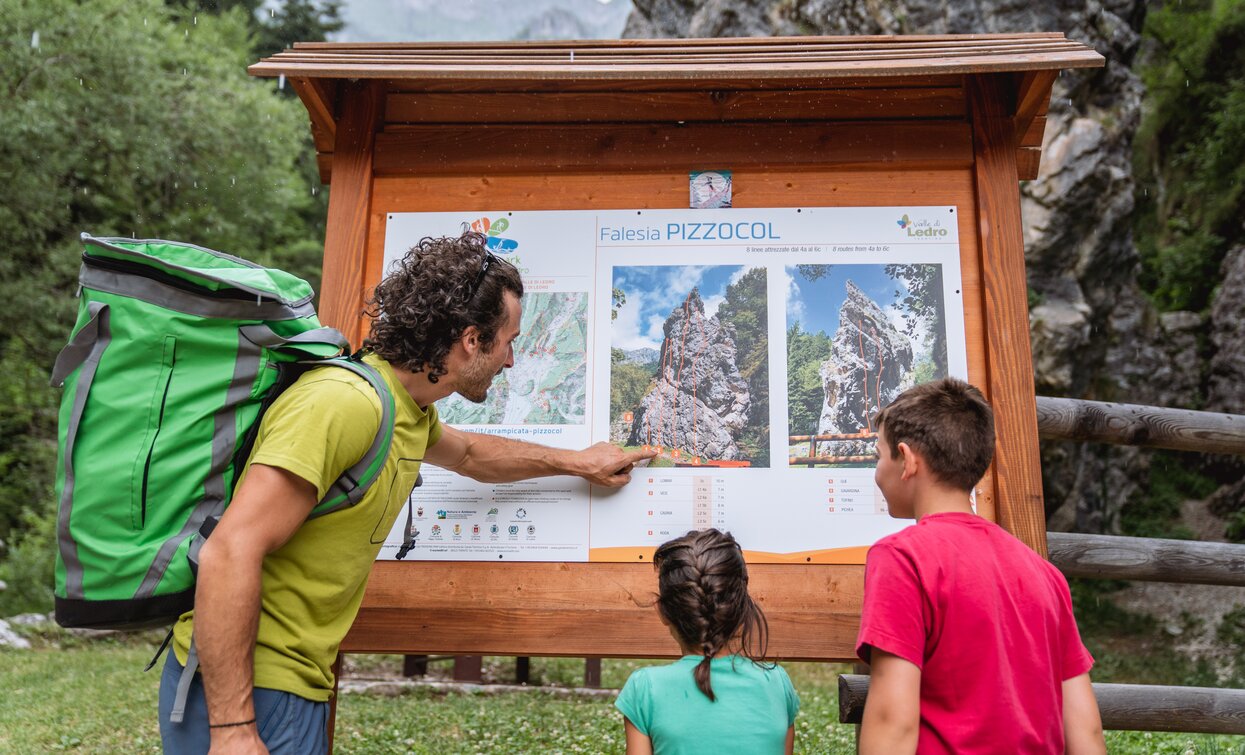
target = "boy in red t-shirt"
x: 969, y: 633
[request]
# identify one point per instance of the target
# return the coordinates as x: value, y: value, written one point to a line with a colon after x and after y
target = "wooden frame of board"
x: 800, y: 122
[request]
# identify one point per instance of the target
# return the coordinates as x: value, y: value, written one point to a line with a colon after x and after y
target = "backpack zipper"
x: 152, y: 451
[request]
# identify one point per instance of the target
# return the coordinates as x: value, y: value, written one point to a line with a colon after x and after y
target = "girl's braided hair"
x: 436, y: 291
x: 703, y: 593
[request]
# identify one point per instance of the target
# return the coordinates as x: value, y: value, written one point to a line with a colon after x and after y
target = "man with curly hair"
x: 278, y: 591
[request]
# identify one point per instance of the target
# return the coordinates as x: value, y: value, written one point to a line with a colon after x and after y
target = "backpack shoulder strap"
x: 350, y: 488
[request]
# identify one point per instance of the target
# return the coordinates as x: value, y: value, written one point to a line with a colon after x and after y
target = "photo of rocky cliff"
x: 689, y: 369
x: 857, y: 336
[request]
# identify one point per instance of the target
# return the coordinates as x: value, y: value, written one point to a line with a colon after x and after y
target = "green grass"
x: 92, y: 697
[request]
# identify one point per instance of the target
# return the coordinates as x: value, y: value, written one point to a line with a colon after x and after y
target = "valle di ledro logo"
x: 924, y: 229
x: 492, y: 231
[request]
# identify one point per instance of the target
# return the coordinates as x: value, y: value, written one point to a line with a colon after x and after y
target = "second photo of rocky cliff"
x: 857, y: 337
x: 689, y: 371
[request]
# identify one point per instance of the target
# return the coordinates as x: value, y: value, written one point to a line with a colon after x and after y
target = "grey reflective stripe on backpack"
x: 170, y: 297
x: 86, y: 348
x: 103, y: 242
x: 265, y: 336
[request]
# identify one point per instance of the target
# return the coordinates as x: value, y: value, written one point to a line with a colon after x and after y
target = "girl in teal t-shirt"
x: 721, y: 696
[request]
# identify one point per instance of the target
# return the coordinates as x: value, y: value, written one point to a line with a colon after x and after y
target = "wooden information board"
x: 800, y: 122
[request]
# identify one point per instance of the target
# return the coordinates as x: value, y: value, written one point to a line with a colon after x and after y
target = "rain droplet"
x: 34, y: 40
x: 233, y: 181
x: 196, y: 21
x: 281, y: 81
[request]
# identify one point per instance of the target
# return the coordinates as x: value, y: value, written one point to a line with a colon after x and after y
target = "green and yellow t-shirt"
x: 313, y: 585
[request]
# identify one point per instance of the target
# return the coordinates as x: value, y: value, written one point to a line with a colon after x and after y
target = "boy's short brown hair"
x: 949, y: 423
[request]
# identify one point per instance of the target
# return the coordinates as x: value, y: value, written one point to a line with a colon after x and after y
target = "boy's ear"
x: 911, y: 461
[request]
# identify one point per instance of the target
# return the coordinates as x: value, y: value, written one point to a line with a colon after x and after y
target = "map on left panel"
x: 548, y: 383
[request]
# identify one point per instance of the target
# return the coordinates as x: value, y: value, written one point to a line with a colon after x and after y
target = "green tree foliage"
x: 1190, y: 150
x: 805, y: 353
x: 924, y: 301
x: 297, y: 21
x: 745, y: 308
x: 274, y: 26
x: 121, y: 117
x: 628, y: 383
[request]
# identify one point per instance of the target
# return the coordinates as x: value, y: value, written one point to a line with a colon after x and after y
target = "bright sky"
x: 654, y: 292
x: 815, y: 304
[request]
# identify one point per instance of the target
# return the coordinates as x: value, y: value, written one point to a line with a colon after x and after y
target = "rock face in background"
x: 868, y: 361
x: 700, y: 402
x: 1226, y: 374
x: 1094, y: 334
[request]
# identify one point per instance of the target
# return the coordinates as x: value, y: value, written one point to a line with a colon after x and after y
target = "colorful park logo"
x: 492, y: 231
x: 925, y: 229
x: 441, y: 514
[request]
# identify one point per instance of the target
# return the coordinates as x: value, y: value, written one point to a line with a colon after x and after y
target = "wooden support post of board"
x: 345, y: 244
x: 1017, y: 468
x: 414, y: 665
x: 592, y: 672
x: 469, y: 668
x: 1124, y: 707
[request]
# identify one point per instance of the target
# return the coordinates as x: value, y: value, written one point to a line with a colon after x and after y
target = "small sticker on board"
x: 709, y: 189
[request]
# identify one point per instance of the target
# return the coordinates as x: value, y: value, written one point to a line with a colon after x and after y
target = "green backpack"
x: 176, y: 351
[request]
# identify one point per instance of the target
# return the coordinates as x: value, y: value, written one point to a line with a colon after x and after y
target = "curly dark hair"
x: 441, y: 287
x: 703, y: 593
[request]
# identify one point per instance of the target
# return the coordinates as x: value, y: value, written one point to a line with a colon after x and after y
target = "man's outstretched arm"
x: 489, y: 458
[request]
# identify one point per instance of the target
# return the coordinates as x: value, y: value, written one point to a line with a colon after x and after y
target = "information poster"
x: 750, y: 347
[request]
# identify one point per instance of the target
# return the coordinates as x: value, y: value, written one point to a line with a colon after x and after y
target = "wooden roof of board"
x: 793, y: 79
x: 776, y: 59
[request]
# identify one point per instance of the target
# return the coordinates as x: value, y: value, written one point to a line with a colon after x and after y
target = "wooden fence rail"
x: 1135, y: 425
x: 1147, y: 559
x: 1132, y: 707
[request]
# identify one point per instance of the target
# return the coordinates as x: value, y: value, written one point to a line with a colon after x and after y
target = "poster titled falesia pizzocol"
x: 751, y: 348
